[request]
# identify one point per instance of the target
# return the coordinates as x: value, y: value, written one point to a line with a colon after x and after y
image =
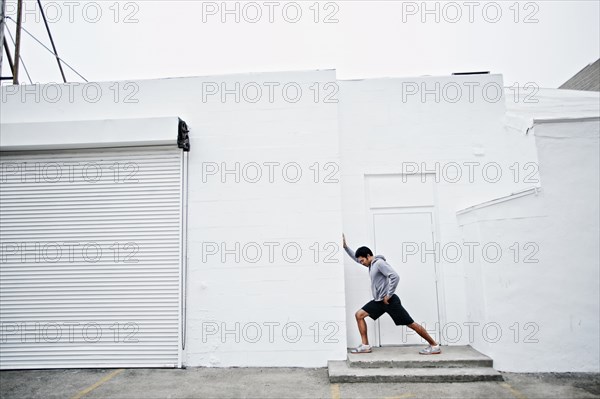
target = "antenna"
x: 52, y: 41
x: 18, y: 43
x: 14, y: 66
x: 2, y: 40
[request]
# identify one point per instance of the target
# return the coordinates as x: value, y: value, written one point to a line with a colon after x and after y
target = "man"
x: 384, y: 281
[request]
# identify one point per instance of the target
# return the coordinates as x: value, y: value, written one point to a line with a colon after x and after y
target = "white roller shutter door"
x: 91, y: 258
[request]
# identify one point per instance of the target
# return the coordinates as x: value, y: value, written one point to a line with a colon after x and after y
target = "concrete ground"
x: 273, y: 383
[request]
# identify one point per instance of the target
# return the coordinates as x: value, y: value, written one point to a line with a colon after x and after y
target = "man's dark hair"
x: 363, y: 252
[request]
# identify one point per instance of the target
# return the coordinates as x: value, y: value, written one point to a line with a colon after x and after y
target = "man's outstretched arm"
x: 348, y: 250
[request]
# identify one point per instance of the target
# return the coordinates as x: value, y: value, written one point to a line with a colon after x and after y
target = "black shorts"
x: 394, y: 309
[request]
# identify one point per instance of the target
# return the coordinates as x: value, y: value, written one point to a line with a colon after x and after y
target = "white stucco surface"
x: 263, y: 176
x: 431, y: 150
x: 547, y: 294
x: 275, y: 178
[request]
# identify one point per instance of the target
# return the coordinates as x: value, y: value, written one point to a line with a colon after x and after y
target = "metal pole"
x: 18, y: 42
x: 10, y: 61
x: 52, y: 41
x: 2, y: 11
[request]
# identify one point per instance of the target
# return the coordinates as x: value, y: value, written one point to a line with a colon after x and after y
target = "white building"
x: 549, y: 291
x: 121, y: 248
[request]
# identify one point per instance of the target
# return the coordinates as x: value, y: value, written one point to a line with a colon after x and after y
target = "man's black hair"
x: 363, y: 252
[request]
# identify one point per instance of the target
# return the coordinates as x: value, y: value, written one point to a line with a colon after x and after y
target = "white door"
x: 90, y: 258
x: 406, y: 240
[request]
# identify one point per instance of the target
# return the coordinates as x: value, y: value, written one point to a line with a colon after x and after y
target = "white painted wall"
x: 380, y: 129
x: 388, y: 125
x: 553, y: 293
x: 251, y: 295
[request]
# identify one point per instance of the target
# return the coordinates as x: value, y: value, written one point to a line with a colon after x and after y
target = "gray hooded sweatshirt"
x: 384, y: 279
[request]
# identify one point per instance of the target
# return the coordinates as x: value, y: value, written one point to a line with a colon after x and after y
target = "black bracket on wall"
x: 183, y: 140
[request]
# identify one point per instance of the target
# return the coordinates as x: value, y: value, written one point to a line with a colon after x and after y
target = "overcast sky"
x: 544, y: 42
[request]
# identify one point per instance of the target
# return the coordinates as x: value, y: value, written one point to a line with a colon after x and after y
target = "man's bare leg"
x: 422, y: 332
x: 362, y: 325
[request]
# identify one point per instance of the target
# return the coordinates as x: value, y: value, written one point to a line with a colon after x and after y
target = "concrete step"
x: 408, y: 356
x: 340, y: 372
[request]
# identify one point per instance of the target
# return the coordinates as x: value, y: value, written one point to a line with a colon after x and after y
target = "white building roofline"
x: 537, y: 121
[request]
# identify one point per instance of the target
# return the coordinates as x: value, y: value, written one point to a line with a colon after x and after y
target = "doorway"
x: 405, y: 236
